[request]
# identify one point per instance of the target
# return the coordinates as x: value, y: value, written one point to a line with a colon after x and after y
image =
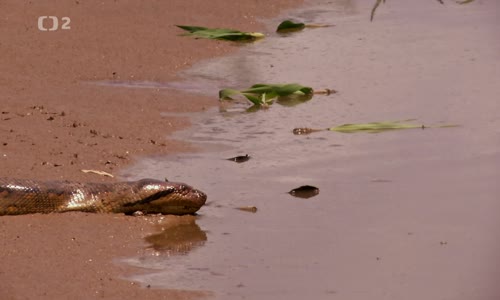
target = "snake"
x: 148, y: 196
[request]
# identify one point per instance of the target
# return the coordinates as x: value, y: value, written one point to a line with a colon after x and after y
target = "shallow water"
x: 400, y: 215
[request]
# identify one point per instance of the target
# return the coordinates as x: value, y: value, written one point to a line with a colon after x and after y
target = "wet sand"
x: 53, y: 124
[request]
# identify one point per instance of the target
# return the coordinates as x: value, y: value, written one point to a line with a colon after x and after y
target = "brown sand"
x: 53, y: 124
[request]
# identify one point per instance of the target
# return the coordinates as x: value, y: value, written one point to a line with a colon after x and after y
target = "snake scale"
x: 150, y: 196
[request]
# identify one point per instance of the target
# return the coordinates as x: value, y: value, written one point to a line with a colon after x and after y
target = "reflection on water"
x: 177, y: 235
x: 175, y: 238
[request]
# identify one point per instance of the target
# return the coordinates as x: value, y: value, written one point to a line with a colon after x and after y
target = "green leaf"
x: 289, y: 89
x: 191, y: 28
x: 220, y: 33
x: 288, y: 25
x: 255, y: 99
x: 280, y: 89
x: 374, y: 127
x: 259, y: 89
x: 230, y: 94
x: 265, y: 94
x: 227, y: 94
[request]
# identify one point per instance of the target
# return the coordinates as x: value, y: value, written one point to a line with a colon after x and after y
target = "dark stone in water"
x: 240, y: 159
x: 305, y: 191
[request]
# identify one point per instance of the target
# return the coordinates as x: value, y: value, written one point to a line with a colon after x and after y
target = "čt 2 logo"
x: 55, y: 23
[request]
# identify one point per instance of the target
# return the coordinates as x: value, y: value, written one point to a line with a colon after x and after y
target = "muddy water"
x: 400, y: 215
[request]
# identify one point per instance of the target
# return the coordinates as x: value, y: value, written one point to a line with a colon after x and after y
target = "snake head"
x: 166, y: 198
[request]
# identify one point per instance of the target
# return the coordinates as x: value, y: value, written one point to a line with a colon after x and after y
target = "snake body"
x: 23, y: 196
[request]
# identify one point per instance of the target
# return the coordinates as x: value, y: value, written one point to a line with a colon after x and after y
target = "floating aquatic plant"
x: 373, y: 127
x: 265, y: 94
x: 288, y: 25
x: 220, y: 33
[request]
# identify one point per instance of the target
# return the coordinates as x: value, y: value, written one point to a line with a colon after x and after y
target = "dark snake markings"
x: 150, y: 196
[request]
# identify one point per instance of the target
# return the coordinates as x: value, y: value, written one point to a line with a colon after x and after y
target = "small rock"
x: 240, y: 159
x: 305, y: 191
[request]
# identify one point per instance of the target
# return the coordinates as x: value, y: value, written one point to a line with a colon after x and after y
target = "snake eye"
x: 183, y: 188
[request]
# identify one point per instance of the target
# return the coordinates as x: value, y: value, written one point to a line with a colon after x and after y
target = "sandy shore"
x: 53, y: 123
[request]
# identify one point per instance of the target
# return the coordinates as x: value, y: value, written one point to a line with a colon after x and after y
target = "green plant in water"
x: 263, y: 95
x: 288, y: 26
x: 220, y: 33
x: 377, y: 3
x: 373, y: 127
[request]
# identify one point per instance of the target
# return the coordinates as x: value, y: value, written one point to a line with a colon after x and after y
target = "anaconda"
x: 150, y: 196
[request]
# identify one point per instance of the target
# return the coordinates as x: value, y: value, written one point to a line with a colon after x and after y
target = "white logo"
x: 55, y: 23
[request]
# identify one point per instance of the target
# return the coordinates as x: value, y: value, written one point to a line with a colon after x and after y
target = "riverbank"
x: 53, y: 124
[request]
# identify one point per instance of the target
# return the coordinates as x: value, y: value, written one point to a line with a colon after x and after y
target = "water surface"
x: 400, y: 215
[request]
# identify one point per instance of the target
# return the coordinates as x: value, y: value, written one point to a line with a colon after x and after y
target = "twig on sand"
x: 102, y: 173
